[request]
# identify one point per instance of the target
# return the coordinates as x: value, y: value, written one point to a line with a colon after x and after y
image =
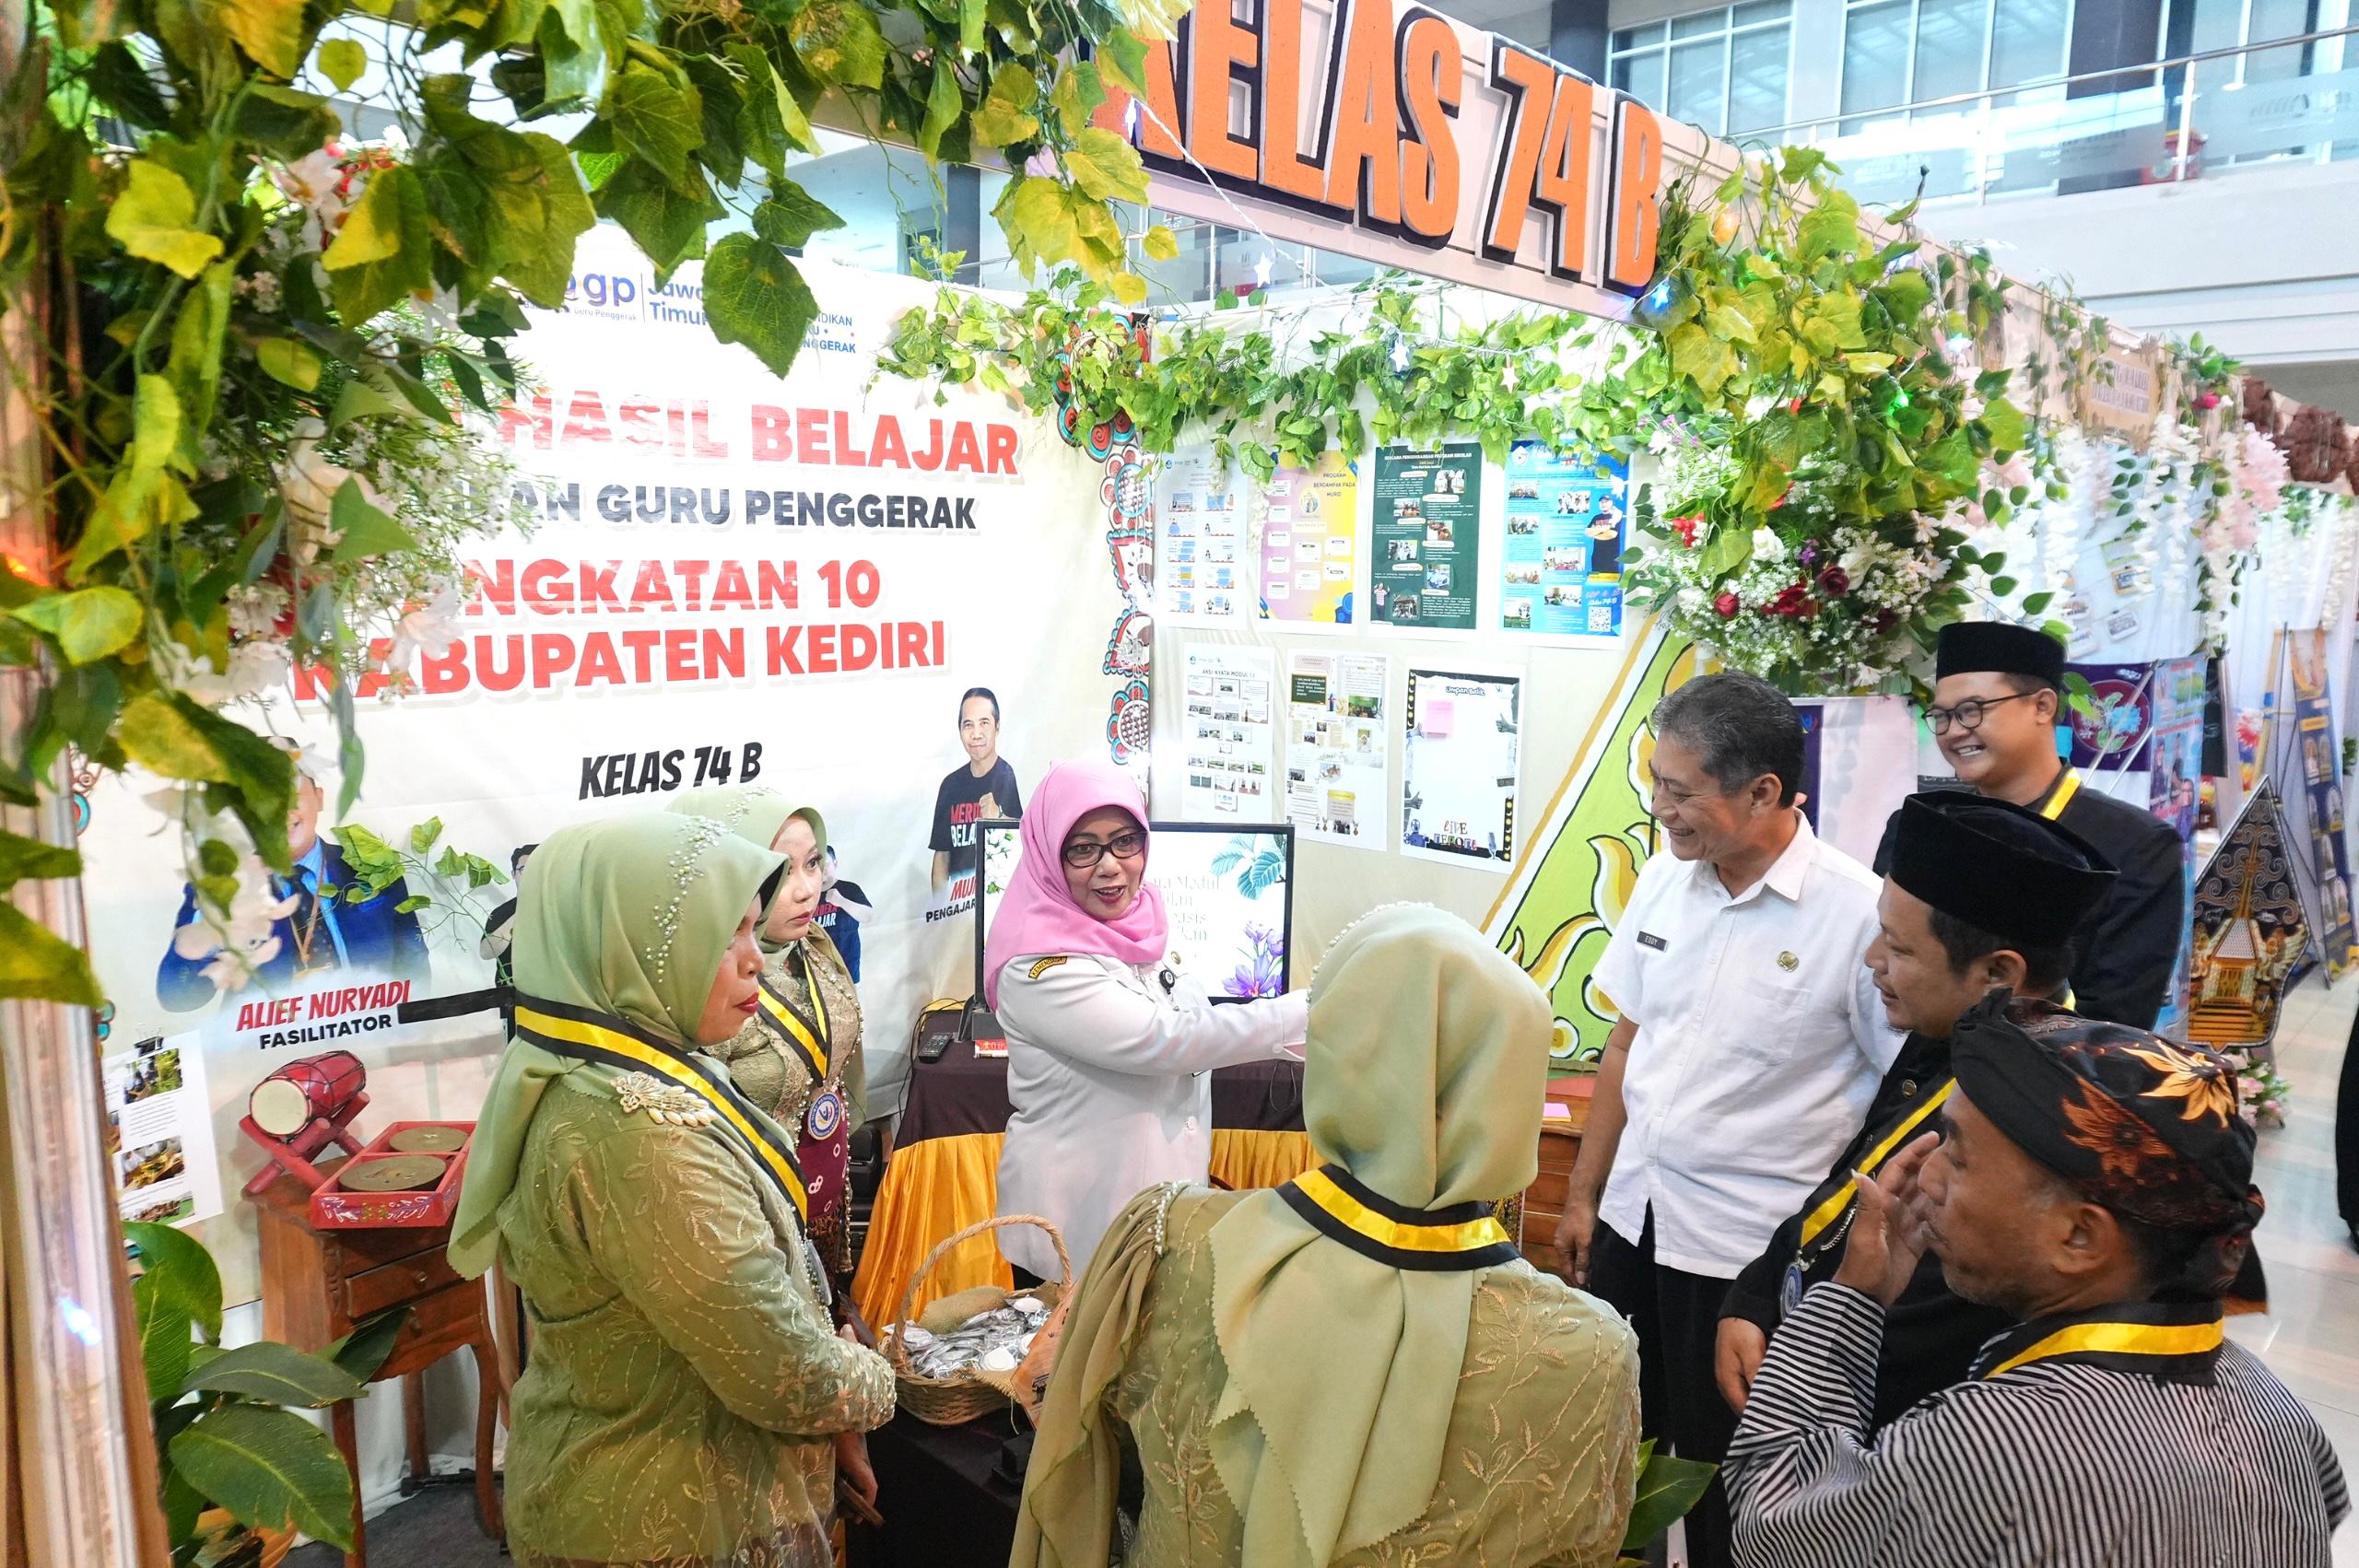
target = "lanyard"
x: 1836, y: 1204
x: 811, y: 1039
x: 585, y: 1036
x: 2061, y: 796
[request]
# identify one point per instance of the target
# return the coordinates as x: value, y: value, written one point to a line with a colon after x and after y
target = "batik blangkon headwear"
x: 2145, y: 1125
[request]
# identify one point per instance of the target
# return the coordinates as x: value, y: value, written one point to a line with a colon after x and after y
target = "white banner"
x: 732, y: 578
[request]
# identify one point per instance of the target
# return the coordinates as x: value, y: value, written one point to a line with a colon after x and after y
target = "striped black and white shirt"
x: 2057, y: 1463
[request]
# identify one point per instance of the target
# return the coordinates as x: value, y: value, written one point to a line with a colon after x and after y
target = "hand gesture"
x: 988, y: 806
x: 1888, y: 1232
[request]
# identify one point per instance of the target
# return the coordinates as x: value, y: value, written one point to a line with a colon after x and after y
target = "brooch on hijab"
x: 664, y: 1102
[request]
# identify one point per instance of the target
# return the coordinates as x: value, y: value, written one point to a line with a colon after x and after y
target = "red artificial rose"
x: 1790, y: 600
x: 1727, y: 606
x: 1883, y: 620
x: 1834, y: 582
x: 2208, y: 401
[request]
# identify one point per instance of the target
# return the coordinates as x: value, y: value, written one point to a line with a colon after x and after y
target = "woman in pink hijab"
x: 1107, y: 1048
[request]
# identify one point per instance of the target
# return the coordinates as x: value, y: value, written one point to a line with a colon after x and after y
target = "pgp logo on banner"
x: 610, y: 296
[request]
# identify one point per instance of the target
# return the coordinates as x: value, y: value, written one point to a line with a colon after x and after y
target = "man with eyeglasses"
x: 1998, y: 698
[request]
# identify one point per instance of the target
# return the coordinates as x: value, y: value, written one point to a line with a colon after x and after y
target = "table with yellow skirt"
x: 944, y: 1171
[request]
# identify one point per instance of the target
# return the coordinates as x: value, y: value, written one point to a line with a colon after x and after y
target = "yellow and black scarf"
x: 588, y: 1036
x: 1462, y: 1236
x: 2175, y: 1341
x: 807, y: 1034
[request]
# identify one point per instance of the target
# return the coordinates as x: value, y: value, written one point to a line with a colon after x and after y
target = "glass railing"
x: 2197, y: 117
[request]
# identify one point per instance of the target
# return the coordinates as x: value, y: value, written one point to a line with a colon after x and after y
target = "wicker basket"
x: 965, y: 1395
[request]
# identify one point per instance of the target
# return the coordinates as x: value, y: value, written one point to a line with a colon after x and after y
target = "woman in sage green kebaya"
x: 685, y: 1386
x: 799, y: 1061
x: 1356, y: 1368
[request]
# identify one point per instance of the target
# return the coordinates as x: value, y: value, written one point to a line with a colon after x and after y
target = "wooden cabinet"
x: 1543, y: 1201
x: 318, y: 1283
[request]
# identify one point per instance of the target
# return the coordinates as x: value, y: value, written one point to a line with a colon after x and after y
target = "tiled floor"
x: 2310, y: 1336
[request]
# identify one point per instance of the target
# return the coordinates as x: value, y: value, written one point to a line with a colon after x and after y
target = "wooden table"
x: 1560, y: 1142
x: 318, y: 1283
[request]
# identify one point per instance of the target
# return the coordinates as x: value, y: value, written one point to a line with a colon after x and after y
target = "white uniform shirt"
x: 1761, y: 1040
x: 1104, y: 1070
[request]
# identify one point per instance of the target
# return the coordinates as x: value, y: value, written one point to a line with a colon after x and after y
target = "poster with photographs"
x: 1307, y: 521
x: 1338, y: 747
x: 1427, y: 535
x: 1202, y: 568
x: 2174, y: 764
x: 159, y: 1131
x: 1458, y: 772
x: 1560, y: 567
x: 1228, y: 728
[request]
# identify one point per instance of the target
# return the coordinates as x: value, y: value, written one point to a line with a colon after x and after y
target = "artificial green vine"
x: 1394, y: 377
x: 266, y: 351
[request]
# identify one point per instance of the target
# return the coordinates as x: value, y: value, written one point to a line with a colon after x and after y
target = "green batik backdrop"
x: 1579, y: 870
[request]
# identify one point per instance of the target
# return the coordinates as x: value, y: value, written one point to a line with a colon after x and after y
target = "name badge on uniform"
x: 1648, y: 939
x: 826, y: 1115
x: 1790, y: 1292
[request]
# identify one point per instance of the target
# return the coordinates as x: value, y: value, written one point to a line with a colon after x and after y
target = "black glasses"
x: 1968, y: 713
x: 1082, y: 856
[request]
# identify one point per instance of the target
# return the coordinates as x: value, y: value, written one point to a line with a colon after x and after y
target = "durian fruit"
x: 954, y: 1311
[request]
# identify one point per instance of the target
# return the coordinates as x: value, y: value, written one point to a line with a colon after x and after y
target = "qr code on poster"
x: 1601, y: 618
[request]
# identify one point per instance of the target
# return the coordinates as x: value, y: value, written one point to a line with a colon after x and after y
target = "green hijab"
x: 628, y: 915
x: 1428, y: 1052
x: 753, y: 811
x: 1428, y: 1060
x: 756, y: 812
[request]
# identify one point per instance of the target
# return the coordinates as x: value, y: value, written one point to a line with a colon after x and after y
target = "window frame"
x: 1852, y: 118
x: 1726, y: 34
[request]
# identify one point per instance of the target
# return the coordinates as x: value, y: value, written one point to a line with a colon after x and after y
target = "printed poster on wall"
x: 1567, y: 520
x: 1307, y: 521
x: 807, y: 584
x: 1201, y: 563
x: 2114, y: 738
x: 1428, y: 506
x: 1338, y: 747
x: 2317, y: 814
x: 1458, y: 773
x: 1227, y: 724
x: 2175, y: 761
x: 159, y: 1131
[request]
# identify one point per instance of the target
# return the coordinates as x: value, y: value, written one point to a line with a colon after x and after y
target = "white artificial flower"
x: 431, y: 628
x: 254, y: 612
x: 254, y: 668
x: 1768, y: 546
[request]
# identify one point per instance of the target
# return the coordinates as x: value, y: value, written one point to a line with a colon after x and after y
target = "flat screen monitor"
x: 1228, y: 891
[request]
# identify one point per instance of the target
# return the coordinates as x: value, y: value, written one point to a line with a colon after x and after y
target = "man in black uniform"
x: 1998, y: 691
x: 1980, y: 894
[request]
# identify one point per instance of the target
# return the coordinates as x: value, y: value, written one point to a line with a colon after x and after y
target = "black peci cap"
x: 1966, y: 647
x: 1999, y: 867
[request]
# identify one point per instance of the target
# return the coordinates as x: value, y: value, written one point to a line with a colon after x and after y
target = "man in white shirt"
x: 1751, y: 1043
